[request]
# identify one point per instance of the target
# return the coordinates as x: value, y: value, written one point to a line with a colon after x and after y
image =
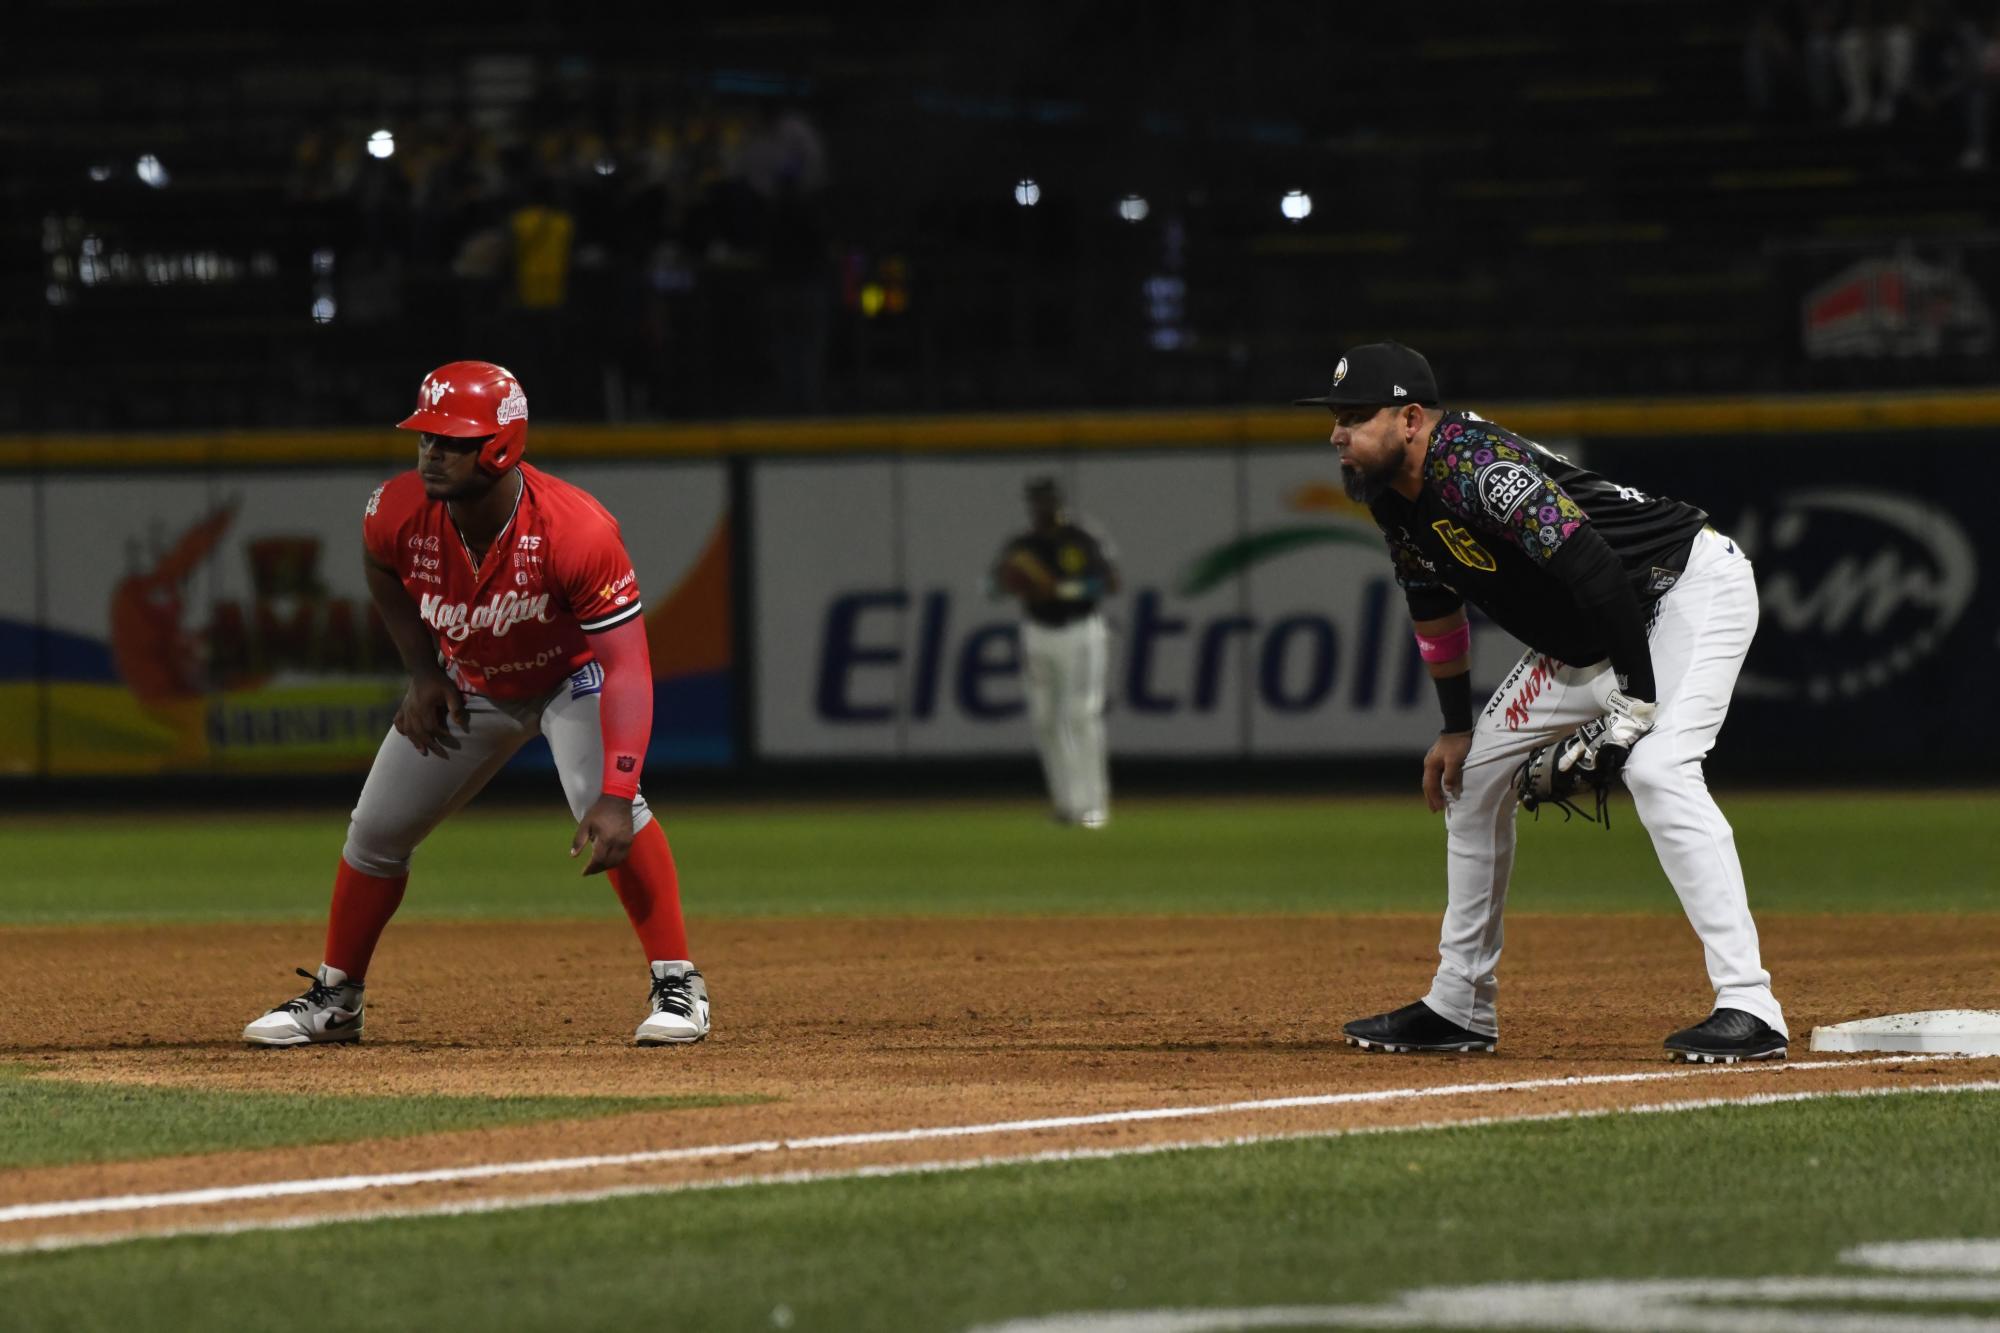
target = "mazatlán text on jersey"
x: 506, y: 610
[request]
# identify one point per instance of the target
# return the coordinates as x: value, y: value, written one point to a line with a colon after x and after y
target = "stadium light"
x: 381, y: 144
x: 605, y: 166
x: 323, y: 310
x: 1296, y: 205
x: 152, y: 172
x: 1027, y: 193
x: 1133, y: 208
x: 100, y: 172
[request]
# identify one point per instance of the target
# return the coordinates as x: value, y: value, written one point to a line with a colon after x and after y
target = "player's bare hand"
x: 430, y: 707
x: 1444, y: 768
x: 607, y: 829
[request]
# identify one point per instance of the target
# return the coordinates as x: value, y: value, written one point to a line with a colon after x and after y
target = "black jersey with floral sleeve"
x: 1495, y: 513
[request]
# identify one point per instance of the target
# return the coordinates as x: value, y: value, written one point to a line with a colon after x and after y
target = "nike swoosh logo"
x: 334, y: 1024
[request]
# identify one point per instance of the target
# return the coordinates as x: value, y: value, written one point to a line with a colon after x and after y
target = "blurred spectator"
x: 439, y: 191
x: 1877, y: 52
x: 542, y: 232
x: 1984, y: 94
x: 785, y: 161
x: 781, y: 151
x: 324, y: 167
x: 479, y: 266
x: 801, y: 299
x: 1790, y: 59
x: 1771, y: 63
x: 541, y: 236
x: 1948, y: 86
x: 1919, y: 58
x: 1819, y: 43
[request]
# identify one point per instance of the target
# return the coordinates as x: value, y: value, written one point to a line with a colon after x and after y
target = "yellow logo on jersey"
x: 1463, y: 549
x: 1072, y: 559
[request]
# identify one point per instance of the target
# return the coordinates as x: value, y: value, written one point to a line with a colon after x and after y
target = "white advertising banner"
x: 827, y: 586
x: 1258, y: 615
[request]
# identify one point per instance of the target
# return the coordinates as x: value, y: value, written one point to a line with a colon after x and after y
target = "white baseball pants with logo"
x: 409, y: 794
x: 1700, y: 632
x: 1065, y: 673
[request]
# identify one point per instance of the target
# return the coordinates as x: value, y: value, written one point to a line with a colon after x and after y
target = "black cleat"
x: 1725, y: 1037
x: 1414, y: 1027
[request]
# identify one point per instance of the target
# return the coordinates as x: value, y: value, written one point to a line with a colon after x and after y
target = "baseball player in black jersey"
x: 1637, y: 616
x: 1060, y: 569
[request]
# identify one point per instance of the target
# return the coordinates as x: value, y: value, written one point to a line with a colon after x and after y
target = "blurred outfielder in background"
x: 1059, y: 570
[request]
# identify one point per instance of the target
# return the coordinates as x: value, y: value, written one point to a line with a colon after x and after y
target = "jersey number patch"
x: 1463, y: 549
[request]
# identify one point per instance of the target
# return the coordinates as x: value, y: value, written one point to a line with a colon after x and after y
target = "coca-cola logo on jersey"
x: 1857, y: 586
x: 456, y: 621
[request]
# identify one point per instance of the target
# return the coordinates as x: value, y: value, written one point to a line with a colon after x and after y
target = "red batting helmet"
x: 470, y: 399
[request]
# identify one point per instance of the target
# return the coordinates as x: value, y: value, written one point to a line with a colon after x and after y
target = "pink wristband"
x: 1445, y: 647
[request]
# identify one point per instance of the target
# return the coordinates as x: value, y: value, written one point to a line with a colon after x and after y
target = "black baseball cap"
x: 1379, y: 374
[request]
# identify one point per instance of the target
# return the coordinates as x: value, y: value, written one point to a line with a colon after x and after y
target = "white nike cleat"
x: 329, y: 1011
x: 680, y: 1007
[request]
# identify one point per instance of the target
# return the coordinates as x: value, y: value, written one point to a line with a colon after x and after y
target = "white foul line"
x: 511, y: 1203
x: 279, y: 1189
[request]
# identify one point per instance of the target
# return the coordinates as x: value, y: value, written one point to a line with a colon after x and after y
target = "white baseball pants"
x: 1700, y: 632
x: 1065, y: 674
x: 409, y: 794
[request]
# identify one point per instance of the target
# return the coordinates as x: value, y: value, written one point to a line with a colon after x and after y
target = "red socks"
x: 650, y: 888
x: 362, y: 905
x: 647, y: 884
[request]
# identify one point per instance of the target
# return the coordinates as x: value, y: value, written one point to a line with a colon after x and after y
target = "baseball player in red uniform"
x: 516, y: 611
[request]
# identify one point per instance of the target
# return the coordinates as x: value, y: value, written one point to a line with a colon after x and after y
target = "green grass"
x: 1731, y: 1192
x: 1802, y: 853
x: 50, y: 1122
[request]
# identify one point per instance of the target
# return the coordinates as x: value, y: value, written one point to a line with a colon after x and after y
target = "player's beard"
x: 1364, y: 486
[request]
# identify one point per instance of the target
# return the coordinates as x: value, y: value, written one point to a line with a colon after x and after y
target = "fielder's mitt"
x: 1541, y: 780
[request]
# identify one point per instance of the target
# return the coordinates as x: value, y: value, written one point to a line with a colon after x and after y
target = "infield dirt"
x: 852, y: 1026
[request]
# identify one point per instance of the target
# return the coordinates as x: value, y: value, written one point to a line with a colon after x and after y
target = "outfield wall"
x: 816, y: 590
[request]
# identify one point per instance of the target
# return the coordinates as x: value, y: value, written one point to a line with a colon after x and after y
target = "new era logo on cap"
x: 1401, y: 392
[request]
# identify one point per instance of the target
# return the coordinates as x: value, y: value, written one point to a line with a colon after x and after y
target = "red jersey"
x: 513, y: 625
